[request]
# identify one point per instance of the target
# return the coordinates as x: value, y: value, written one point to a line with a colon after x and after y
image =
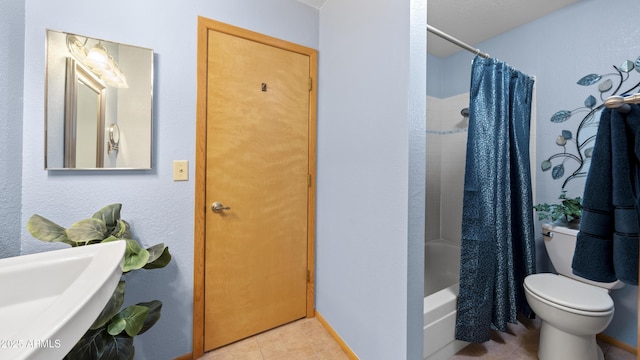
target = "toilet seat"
x: 560, y: 291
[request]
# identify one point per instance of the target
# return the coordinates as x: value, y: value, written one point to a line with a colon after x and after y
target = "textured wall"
x: 11, y: 86
x: 159, y: 209
x: 370, y: 210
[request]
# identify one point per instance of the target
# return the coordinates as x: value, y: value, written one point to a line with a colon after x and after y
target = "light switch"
x: 180, y: 170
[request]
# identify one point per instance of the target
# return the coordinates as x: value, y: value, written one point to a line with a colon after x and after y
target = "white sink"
x: 49, y: 300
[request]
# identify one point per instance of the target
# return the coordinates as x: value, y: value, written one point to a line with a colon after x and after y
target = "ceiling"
x: 474, y: 21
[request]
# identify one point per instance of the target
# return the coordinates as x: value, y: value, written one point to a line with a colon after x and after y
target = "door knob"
x: 218, y: 207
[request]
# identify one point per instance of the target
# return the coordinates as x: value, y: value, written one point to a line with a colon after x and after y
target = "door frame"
x: 204, y: 25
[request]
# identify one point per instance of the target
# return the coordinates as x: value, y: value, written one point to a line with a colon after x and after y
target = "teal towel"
x: 607, y: 245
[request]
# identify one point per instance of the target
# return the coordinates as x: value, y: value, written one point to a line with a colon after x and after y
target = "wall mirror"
x: 98, y: 103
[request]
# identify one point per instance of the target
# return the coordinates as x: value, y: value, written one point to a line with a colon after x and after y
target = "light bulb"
x: 98, y: 57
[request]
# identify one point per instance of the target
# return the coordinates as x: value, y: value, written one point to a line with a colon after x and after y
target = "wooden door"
x: 257, y: 270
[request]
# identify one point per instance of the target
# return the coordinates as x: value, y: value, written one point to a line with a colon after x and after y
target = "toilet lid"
x: 568, y: 292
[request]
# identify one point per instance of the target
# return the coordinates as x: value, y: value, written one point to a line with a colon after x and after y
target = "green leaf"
x: 46, y: 230
x: 155, y: 307
x: 135, y: 257
x: 88, y: 346
x: 118, y: 347
x: 87, y: 230
x: 159, y: 257
x: 121, y: 229
x: 131, y: 320
x: 110, y: 238
x: 98, y: 344
x: 569, y: 208
x: 110, y: 214
x: 112, y: 307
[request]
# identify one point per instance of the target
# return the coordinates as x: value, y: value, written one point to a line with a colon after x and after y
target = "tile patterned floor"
x: 307, y: 339
x: 304, y: 339
x: 521, y: 343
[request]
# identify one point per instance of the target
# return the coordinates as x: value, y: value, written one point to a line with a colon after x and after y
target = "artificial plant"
x: 111, y: 335
x: 569, y: 209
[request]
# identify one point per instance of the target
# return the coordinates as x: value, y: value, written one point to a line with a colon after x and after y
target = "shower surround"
x: 446, y: 153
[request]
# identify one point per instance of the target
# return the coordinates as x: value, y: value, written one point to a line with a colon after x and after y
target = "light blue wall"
x: 11, y: 86
x: 436, y: 76
x: 558, y: 49
x: 368, y: 105
x: 159, y: 209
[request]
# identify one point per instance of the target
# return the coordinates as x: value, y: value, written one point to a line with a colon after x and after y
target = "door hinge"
x: 308, y: 180
x: 310, y: 84
x: 308, y: 275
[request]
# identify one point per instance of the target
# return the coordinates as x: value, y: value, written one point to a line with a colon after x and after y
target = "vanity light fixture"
x: 97, y: 57
x: 98, y: 60
x: 77, y: 48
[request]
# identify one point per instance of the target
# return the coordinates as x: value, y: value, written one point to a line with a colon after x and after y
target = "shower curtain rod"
x: 453, y: 40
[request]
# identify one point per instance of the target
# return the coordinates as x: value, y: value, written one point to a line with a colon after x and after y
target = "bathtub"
x: 441, y: 273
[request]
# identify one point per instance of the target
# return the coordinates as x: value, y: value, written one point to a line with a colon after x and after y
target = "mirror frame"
x: 76, y: 75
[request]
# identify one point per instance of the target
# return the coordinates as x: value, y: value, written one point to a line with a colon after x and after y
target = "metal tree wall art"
x: 575, y: 149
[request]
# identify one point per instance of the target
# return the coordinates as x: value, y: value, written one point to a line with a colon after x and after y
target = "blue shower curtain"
x: 497, y: 250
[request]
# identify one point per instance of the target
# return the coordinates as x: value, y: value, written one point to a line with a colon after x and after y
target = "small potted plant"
x: 569, y: 210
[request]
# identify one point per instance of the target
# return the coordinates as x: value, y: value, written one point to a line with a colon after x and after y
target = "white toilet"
x: 572, y: 309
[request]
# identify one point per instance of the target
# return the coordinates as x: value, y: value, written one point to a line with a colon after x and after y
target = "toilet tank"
x: 560, y: 243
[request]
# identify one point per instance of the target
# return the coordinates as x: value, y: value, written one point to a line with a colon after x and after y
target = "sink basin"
x: 49, y: 300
